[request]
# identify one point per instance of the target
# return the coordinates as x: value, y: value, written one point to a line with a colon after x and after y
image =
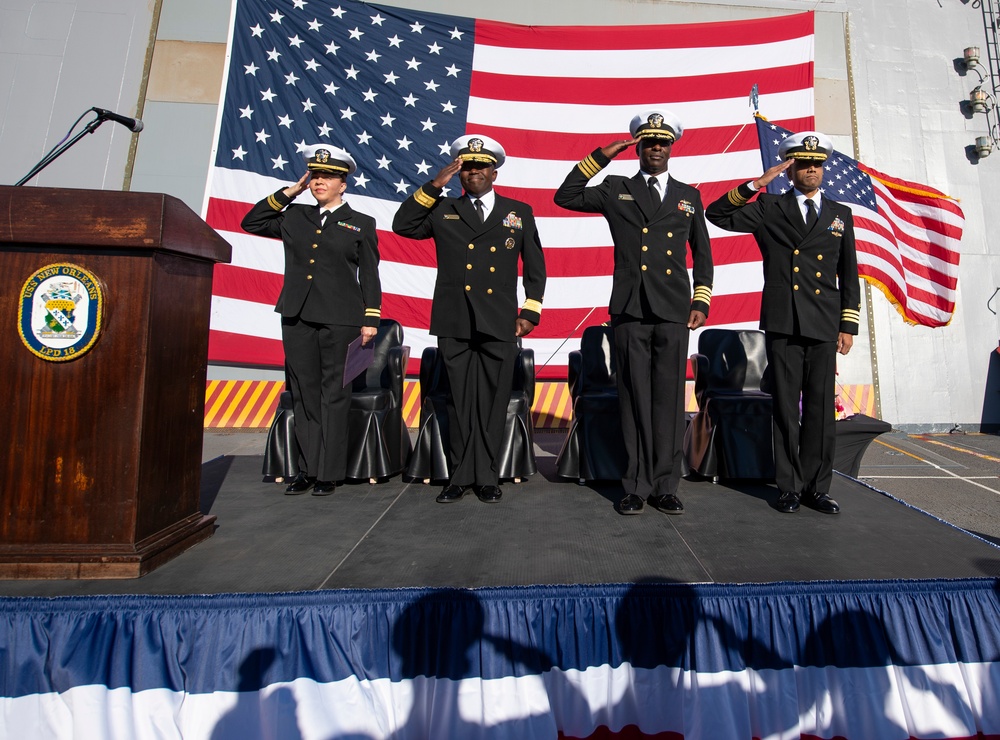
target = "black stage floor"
x: 544, y: 531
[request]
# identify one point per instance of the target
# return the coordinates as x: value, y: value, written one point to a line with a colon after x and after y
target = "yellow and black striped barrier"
x: 250, y: 404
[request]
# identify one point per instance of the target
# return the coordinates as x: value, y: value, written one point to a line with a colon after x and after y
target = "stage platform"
x: 378, y: 614
x: 550, y: 531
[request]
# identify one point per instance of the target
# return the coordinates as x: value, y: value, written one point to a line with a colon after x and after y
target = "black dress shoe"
x: 668, y: 503
x: 821, y: 502
x: 788, y: 502
x: 488, y: 494
x: 630, y: 504
x: 324, y: 487
x: 300, y: 484
x: 451, y: 493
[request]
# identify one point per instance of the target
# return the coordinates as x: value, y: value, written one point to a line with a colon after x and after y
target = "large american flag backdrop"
x: 395, y: 87
x: 907, y: 233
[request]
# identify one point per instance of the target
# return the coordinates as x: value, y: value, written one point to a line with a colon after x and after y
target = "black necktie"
x: 654, y: 192
x: 811, y: 217
x: 480, y: 210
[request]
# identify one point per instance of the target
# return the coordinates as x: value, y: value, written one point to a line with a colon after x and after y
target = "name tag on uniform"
x: 625, y: 196
x: 451, y: 217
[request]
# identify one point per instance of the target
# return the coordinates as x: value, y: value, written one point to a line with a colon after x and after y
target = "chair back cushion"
x: 737, y: 359
x: 598, y: 368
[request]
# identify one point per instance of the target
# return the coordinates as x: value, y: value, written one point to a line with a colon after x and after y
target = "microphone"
x: 132, y: 124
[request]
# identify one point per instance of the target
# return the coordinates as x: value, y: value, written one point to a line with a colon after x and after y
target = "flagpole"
x: 869, y: 312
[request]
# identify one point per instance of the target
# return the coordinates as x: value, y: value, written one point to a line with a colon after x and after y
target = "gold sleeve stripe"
x: 532, y: 305
x: 735, y: 198
x: 589, y: 166
x: 851, y: 316
x: 423, y: 198
x: 373, y: 312
x: 703, y: 294
x: 273, y: 202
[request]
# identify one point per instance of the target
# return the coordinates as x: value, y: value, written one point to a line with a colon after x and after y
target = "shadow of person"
x: 863, y: 684
x: 259, y: 713
x: 689, y: 667
x: 456, y: 673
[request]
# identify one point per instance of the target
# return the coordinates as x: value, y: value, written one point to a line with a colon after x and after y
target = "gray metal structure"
x: 890, y: 86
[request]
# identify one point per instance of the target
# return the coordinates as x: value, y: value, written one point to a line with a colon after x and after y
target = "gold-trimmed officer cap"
x: 656, y: 124
x: 809, y: 145
x: 478, y: 148
x: 327, y: 158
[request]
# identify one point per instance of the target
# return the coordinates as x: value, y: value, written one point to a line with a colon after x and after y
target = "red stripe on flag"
x: 682, y: 36
x: 625, y: 91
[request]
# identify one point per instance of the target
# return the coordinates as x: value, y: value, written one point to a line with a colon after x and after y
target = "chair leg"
x: 427, y: 481
x: 715, y: 479
x: 581, y: 482
x: 372, y: 481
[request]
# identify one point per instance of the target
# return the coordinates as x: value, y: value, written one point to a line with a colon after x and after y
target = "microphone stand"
x: 59, y: 150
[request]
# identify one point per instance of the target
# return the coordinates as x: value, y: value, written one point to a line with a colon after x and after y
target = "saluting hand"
x: 764, y: 180
x: 522, y: 328
x: 615, y: 148
x: 298, y: 187
x: 447, y: 172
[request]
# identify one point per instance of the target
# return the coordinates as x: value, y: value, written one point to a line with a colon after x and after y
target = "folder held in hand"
x: 359, y: 358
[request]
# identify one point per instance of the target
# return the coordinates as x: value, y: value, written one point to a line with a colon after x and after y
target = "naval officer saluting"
x: 810, y: 309
x: 479, y: 238
x: 331, y: 293
x: 654, y: 219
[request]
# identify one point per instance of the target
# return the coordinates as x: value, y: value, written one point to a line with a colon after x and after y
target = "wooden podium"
x: 103, y: 441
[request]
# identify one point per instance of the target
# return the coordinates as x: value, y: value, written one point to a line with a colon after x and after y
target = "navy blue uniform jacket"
x: 651, y: 240
x: 476, y: 288
x: 331, y: 272
x: 810, y: 274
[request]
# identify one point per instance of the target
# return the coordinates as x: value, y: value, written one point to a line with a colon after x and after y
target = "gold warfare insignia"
x: 509, y: 243
x: 655, y: 120
x: 684, y: 206
x: 322, y: 156
x: 61, y: 312
x: 475, y: 145
x: 811, y: 143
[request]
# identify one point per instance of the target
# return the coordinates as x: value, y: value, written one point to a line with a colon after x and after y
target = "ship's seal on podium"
x: 61, y: 312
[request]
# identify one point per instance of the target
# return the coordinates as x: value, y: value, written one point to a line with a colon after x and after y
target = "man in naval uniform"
x: 479, y: 237
x: 654, y: 220
x: 810, y: 309
x: 331, y: 294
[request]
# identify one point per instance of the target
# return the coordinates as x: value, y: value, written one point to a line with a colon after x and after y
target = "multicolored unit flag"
x: 394, y: 87
x: 907, y: 234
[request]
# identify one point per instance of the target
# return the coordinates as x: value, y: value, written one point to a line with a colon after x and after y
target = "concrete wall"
x: 57, y: 59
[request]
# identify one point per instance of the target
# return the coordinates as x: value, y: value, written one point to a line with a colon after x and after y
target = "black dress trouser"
x: 804, y: 444
x: 651, y: 374
x: 481, y: 374
x: 314, y: 358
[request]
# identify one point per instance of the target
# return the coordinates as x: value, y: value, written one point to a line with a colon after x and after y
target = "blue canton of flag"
x: 357, y: 76
x: 842, y: 180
